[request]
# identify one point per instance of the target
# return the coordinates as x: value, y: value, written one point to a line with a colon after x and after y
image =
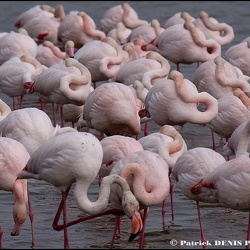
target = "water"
x: 224, y: 228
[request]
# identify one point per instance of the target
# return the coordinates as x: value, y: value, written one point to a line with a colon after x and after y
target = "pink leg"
x: 146, y: 129
x: 172, y: 198
x: 54, y: 114
x: 62, y: 116
x: 31, y: 215
x: 178, y: 67
x: 14, y: 103
x: 117, y: 228
x: 146, y: 210
x: 203, y: 239
x: 163, y: 212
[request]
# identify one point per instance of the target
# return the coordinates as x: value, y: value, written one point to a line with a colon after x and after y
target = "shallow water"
x: 223, y: 227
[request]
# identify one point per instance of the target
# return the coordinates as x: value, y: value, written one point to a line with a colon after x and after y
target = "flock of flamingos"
x: 109, y: 80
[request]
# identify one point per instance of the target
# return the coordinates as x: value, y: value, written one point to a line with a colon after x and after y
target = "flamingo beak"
x: 137, y: 225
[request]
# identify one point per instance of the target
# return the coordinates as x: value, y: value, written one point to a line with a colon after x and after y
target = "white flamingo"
x: 83, y: 153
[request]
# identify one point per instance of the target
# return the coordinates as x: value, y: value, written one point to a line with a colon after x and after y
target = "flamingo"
x: 120, y: 33
x: 120, y: 13
x: 66, y: 82
x: 147, y: 175
x: 15, y: 72
x: 102, y: 58
x: 170, y: 145
x: 43, y: 28
x: 190, y: 168
x: 30, y: 126
x: 218, y: 77
x: 222, y: 33
x: 83, y: 153
x: 233, y: 109
x: 115, y: 147
x: 16, y: 44
x: 238, y: 55
x: 229, y: 181
x: 13, y: 157
x: 112, y: 109
x: 49, y: 54
x: 147, y: 32
x: 35, y: 11
x: 174, y: 101
x: 178, y: 43
x: 147, y: 70
x: 78, y: 27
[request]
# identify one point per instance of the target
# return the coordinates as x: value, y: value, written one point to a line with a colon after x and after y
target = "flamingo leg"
x: 54, y: 114
x: 31, y: 215
x: 171, y: 198
x: 163, y: 212
x: 146, y: 211
x: 65, y: 229
x: 146, y: 128
x: 117, y: 228
x: 62, y: 116
x: 203, y: 239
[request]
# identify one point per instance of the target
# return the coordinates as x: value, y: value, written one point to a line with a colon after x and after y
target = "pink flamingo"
x: 78, y: 27
x: 83, y: 152
x: 218, y: 77
x: 17, y: 125
x: 62, y: 83
x: 105, y: 62
x: 174, y: 101
x: 112, y: 109
x: 229, y: 181
x: 238, y: 55
x: 178, y: 43
x: 170, y: 145
x: 120, y: 13
x: 16, y: 44
x: 147, y: 175
x: 190, y: 168
x: 49, y: 54
x: 146, y: 69
x: 15, y: 72
x: 13, y: 157
x: 220, y: 32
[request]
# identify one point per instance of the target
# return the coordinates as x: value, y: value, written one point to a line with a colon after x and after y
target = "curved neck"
x: 129, y: 202
x: 191, y: 95
x: 89, y: 26
x: 177, y: 143
x: 56, y: 52
x: 109, y: 65
x: 225, y: 30
x: 150, y: 75
x: 212, y: 46
x: 136, y: 176
x: 221, y: 77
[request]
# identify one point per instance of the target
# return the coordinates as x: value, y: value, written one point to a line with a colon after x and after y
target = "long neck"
x: 129, y: 202
x: 136, y: 176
